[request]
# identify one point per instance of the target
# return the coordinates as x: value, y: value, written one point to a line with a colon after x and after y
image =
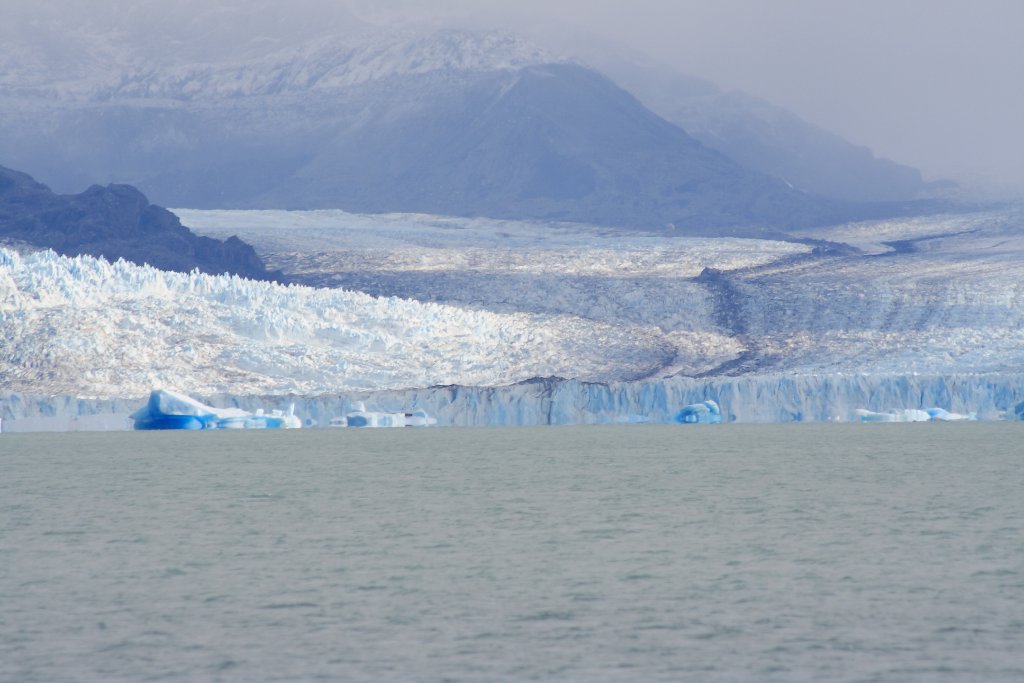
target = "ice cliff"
x: 553, y: 401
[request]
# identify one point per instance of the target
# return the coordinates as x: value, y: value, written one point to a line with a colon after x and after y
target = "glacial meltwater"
x: 630, y: 553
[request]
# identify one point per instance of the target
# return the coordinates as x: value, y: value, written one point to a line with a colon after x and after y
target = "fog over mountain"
x: 214, y: 107
x: 926, y: 84
x: 929, y: 83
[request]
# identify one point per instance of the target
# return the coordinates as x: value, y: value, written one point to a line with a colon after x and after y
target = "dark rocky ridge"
x: 116, y: 221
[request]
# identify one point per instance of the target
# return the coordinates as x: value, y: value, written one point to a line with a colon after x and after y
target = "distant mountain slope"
x: 116, y: 221
x: 551, y: 141
x: 766, y: 137
x: 454, y: 123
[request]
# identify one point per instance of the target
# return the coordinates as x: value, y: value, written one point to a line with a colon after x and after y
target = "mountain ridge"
x: 116, y: 221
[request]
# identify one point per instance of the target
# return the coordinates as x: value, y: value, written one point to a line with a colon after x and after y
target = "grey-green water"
x: 736, y: 553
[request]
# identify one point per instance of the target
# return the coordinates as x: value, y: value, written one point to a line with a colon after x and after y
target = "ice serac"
x: 86, y: 327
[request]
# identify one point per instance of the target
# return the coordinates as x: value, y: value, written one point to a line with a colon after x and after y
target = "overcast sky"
x: 938, y: 84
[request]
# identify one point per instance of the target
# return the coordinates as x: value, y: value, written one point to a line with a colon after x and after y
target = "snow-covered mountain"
x: 76, y: 48
x: 321, y: 65
x: 328, y: 65
x: 450, y: 122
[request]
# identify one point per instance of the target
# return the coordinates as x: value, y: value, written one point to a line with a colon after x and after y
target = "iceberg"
x: 700, y: 413
x: 170, y: 410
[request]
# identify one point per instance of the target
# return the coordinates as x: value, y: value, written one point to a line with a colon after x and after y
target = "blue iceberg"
x: 171, y: 410
x: 706, y: 413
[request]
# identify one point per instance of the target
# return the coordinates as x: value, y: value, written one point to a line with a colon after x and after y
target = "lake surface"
x: 652, y: 553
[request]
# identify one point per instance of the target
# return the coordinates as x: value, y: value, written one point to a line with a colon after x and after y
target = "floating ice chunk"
x: 699, y: 413
x: 171, y: 410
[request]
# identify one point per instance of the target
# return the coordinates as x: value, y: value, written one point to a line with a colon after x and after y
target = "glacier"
x: 488, y: 322
x: 931, y: 295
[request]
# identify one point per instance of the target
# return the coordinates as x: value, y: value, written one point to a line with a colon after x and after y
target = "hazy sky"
x: 938, y: 84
